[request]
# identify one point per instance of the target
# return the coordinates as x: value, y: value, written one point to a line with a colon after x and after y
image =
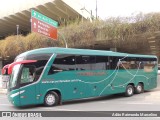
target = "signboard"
x: 43, y: 25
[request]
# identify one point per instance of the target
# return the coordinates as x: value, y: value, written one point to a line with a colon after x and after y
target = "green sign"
x: 43, y: 18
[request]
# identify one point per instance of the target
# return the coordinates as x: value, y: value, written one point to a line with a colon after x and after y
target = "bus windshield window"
x: 32, y: 71
x: 28, y: 74
x: 14, y: 76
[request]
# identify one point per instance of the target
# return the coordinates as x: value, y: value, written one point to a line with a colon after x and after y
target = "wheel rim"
x: 139, y: 88
x: 50, y: 99
x: 130, y: 91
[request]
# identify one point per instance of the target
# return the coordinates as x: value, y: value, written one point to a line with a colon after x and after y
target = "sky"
x: 106, y: 8
x: 123, y: 8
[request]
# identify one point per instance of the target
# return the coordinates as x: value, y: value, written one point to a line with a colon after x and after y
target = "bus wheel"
x: 139, y: 88
x: 129, y: 90
x: 51, y: 99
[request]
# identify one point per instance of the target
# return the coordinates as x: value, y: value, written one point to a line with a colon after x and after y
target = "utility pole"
x: 90, y: 13
x: 17, y: 30
x: 96, y: 9
x: 19, y: 41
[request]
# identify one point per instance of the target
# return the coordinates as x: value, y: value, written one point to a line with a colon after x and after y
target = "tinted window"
x: 148, y: 64
x: 84, y: 62
x: 38, y: 57
x: 113, y: 61
x: 102, y: 63
x: 62, y: 63
x: 132, y: 63
x: 129, y: 63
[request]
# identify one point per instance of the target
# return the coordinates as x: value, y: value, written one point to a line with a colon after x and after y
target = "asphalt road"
x: 147, y: 101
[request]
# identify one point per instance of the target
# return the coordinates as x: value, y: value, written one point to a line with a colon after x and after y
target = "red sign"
x: 43, y: 28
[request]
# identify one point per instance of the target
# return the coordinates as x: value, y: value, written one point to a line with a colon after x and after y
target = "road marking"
x: 139, y: 103
x: 61, y: 109
x: 103, y: 102
x: 5, y: 105
x: 128, y: 103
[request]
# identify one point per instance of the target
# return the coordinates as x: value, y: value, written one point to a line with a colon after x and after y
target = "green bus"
x: 53, y: 75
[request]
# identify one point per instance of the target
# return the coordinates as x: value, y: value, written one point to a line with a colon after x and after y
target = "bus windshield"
x: 28, y: 70
x: 14, y: 76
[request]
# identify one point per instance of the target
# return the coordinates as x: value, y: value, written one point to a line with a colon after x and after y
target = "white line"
x: 67, y: 110
x: 139, y: 103
x: 60, y: 109
x: 5, y: 105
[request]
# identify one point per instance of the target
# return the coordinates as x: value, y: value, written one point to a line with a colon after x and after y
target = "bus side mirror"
x: 5, y: 70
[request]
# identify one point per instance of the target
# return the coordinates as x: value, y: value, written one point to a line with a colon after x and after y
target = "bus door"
x: 28, y: 89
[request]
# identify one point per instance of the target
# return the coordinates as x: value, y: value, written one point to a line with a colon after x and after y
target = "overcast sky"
x: 108, y: 8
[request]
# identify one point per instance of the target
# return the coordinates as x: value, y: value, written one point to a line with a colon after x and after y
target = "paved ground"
x: 148, y: 101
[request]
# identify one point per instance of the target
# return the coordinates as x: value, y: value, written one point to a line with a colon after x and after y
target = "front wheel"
x: 129, y: 90
x: 139, y: 88
x: 51, y: 99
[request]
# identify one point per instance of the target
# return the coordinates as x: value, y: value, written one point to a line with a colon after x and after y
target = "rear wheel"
x: 51, y: 99
x: 129, y: 90
x: 139, y: 88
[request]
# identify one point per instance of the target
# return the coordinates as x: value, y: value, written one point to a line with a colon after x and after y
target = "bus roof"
x: 81, y: 52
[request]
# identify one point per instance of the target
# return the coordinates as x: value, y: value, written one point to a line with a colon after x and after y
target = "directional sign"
x: 43, y: 25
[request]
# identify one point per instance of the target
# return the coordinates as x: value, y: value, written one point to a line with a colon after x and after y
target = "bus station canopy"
x: 59, y: 10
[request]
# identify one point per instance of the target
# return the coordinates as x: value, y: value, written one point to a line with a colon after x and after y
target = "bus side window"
x: 63, y: 62
x: 102, y: 63
x: 85, y: 62
x: 149, y: 64
x: 114, y: 62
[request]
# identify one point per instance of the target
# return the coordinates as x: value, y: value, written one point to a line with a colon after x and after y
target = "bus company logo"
x: 91, y: 73
x: 6, y: 114
x: 61, y: 81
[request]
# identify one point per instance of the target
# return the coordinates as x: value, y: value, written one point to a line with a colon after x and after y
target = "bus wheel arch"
x: 139, y: 88
x: 129, y: 90
x: 52, y: 98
